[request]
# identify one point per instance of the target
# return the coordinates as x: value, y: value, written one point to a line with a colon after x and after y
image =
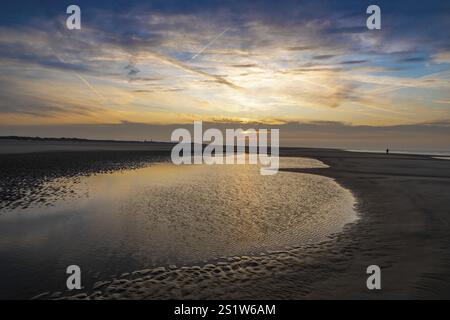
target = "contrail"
x: 209, y: 44
x: 87, y: 83
x: 90, y: 86
x: 188, y: 68
x: 398, y: 87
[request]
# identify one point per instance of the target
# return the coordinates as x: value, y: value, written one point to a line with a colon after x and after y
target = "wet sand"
x: 404, y: 227
x: 11, y: 146
x: 24, y: 175
x: 404, y: 203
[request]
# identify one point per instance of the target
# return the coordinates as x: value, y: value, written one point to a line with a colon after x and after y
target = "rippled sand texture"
x: 28, y: 180
x: 166, y: 215
x: 278, y: 275
x: 404, y: 228
x: 199, y: 213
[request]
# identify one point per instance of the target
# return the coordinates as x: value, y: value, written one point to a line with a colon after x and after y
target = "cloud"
x: 245, y: 65
x: 353, y: 61
x: 441, y: 57
x: 296, y: 60
x: 188, y: 68
x: 301, y: 48
x: 323, y: 57
x: 413, y: 59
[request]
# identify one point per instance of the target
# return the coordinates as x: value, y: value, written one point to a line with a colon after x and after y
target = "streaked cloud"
x: 171, y: 62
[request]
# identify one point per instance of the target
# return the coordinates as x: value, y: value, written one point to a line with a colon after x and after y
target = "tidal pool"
x: 164, y: 215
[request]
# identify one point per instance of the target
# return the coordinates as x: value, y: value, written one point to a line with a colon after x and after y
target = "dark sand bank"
x: 38, y: 145
x: 404, y: 202
x: 26, y: 164
x: 23, y: 175
x: 404, y: 228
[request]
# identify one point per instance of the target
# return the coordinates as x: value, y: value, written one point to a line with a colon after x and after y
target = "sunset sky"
x: 138, y: 69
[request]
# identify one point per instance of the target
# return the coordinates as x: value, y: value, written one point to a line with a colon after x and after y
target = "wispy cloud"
x: 284, y: 61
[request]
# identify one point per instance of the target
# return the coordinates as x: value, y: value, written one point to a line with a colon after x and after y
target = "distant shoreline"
x: 115, y: 145
x: 23, y: 145
x: 406, y: 152
x: 64, y: 139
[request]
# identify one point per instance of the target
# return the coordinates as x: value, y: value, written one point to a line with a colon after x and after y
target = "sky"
x: 138, y: 69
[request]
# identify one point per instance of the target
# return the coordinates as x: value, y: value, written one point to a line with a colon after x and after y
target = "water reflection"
x: 166, y: 214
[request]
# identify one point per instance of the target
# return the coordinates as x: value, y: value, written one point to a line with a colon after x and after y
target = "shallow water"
x: 165, y: 215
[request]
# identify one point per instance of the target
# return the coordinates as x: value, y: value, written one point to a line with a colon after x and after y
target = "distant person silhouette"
x: 387, y: 151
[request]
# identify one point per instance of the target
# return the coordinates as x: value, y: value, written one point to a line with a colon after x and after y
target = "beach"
x: 403, y: 226
x: 403, y: 201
